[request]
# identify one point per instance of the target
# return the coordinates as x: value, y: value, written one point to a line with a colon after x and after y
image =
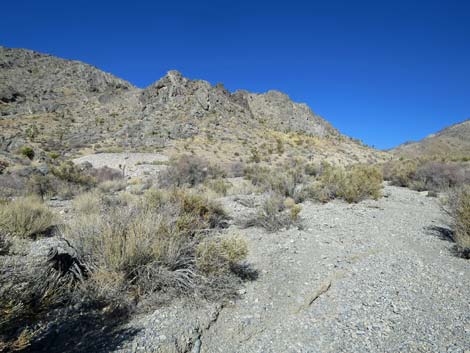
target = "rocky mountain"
x: 452, y: 142
x: 64, y: 106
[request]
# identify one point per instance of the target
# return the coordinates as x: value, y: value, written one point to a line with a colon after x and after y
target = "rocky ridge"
x: 68, y: 106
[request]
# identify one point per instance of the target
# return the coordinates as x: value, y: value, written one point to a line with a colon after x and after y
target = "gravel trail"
x: 376, y: 276
x: 371, y: 277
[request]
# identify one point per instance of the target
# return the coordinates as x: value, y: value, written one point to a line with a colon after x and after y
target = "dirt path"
x: 369, y: 277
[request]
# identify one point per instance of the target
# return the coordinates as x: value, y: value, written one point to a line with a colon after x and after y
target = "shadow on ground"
x: 447, y: 234
x: 90, y: 332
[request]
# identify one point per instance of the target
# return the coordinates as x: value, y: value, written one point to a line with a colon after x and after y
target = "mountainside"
x: 69, y: 107
x: 451, y: 143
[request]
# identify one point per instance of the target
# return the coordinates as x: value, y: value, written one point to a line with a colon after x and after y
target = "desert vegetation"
x: 427, y: 174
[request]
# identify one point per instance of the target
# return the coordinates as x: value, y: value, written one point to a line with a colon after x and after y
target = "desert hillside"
x: 70, y: 108
x: 451, y: 143
x: 184, y: 218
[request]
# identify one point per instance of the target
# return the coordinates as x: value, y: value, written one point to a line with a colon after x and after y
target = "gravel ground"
x: 370, y: 277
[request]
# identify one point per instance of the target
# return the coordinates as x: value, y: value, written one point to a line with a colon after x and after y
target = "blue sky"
x: 382, y: 71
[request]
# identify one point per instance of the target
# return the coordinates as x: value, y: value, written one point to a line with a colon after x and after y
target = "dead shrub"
x: 25, y: 217
x: 105, y: 174
x: 440, y: 176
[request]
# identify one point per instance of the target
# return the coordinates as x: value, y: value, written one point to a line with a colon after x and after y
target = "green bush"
x: 25, y: 217
x: 27, y: 152
x: 400, y: 173
x: 357, y: 183
x: 71, y: 173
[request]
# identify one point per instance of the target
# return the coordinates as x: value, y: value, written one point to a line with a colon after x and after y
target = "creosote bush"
x: 357, y: 183
x: 25, y: 217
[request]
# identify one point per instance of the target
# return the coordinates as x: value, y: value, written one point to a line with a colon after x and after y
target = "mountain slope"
x: 73, y: 108
x: 452, y: 142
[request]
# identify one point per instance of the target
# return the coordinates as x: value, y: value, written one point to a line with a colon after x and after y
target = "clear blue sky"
x: 382, y: 71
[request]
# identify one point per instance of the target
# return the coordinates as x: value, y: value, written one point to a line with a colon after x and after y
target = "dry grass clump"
x: 154, y: 246
x: 219, y: 254
x: 219, y: 186
x: 87, y: 203
x: 354, y: 184
x: 112, y: 185
x: 460, y: 209
x: 274, y: 215
x: 25, y: 217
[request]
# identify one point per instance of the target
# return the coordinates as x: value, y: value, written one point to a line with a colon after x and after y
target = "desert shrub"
x: 4, y: 244
x: 237, y: 169
x: 72, y: 173
x: 312, y: 169
x: 362, y: 182
x: 3, y: 165
x: 53, y: 155
x: 50, y: 185
x: 152, y: 245
x: 438, y: 176
x: 217, y: 255
x: 423, y: 175
x: 355, y: 184
x: 220, y: 186
x: 284, y: 181
x: 255, y: 156
x: 27, y: 152
x: 461, y: 215
x: 400, y: 173
x: 112, y: 185
x: 41, y: 185
x: 32, y: 290
x: 11, y: 185
x: 87, y: 203
x: 25, y: 217
x: 188, y: 171
x: 105, y: 174
x: 272, y: 215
